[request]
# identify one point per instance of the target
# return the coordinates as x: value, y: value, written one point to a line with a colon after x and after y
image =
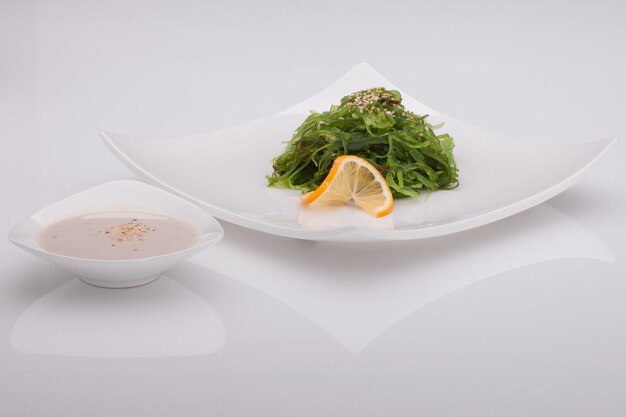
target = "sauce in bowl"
x: 117, y: 236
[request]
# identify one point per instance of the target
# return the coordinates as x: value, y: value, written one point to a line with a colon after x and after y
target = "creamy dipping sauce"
x: 117, y: 236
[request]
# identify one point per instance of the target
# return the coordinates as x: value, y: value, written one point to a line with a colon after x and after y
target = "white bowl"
x: 123, y: 195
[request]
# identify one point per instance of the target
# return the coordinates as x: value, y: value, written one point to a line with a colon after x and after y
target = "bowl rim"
x: 200, y: 243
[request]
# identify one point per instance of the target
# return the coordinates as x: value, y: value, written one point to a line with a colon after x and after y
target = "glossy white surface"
x: 121, y: 195
x: 225, y: 172
x: 524, y: 317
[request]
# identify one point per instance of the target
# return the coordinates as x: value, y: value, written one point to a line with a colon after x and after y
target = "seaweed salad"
x: 374, y: 125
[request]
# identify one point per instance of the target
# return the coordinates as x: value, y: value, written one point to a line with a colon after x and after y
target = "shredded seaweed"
x: 374, y: 125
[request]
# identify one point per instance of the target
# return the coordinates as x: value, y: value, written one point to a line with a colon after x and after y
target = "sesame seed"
x: 132, y: 230
x: 367, y: 100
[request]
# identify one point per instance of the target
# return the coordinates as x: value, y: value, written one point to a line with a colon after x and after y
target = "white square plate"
x: 225, y: 172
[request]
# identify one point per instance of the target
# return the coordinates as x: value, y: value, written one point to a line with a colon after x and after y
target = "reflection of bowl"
x: 124, y: 195
x: 161, y: 320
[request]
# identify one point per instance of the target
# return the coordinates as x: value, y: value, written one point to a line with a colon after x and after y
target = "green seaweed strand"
x: 374, y: 125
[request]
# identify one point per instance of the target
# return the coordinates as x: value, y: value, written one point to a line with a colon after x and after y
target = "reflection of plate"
x: 225, y: 171
x: 357, y: 292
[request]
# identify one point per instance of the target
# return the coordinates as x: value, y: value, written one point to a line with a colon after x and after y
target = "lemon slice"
x: 352, y: 178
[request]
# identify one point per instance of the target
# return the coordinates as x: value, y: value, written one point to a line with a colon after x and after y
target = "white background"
x: 545, y: 339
